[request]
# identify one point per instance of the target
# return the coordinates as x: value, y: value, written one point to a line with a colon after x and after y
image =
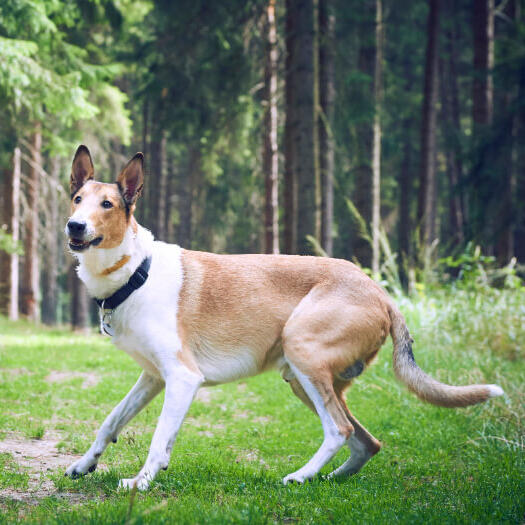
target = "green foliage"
x: 8, y: 245
x: 46, y: 77
x: 473, y: 270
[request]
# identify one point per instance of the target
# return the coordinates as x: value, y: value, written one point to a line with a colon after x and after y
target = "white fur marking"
x: 145, y: 389
x: 333, y: 439
x: 495, y: 390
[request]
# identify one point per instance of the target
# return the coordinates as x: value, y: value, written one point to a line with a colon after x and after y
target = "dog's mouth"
x: 79, y: 245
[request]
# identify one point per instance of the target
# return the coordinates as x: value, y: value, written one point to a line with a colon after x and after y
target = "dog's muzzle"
x: 76, y: 232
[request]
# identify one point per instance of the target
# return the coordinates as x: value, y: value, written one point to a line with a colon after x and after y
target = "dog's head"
x: 101, y: 212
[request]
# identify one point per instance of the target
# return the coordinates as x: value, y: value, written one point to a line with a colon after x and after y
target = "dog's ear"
x: 82, y: 169
x: 131, y: 179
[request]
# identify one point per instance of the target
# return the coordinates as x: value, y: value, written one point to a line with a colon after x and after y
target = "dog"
x: 192, y: 318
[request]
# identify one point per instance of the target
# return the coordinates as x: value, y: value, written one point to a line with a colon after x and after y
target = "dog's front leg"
x: 145, y: 389
x: 181, y: 386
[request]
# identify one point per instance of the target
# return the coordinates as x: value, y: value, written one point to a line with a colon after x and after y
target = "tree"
x: 426, y: 210
x: 50, y: 269
x: 376, y: 141
x: 326, y: 113
x: 31, y: 276
x: 362, y: 195
x: 482, y: 84
x: 300, y: 48
x: 290, y: 176
x: 270, y: 153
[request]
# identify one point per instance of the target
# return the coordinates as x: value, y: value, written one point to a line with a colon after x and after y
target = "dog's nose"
x: 76, y: 228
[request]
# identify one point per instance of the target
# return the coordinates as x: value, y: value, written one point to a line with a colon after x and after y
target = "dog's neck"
x: 104, y: 271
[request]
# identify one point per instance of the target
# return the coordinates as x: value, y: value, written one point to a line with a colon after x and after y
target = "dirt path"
x: 37, y: 458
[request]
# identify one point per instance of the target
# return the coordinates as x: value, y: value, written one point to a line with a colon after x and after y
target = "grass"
x: 436, y: 466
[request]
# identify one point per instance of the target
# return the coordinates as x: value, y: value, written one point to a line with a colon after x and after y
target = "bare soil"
x: 38, y: 458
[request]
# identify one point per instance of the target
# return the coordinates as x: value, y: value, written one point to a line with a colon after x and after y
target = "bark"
x: 168, y: 225
x: 327, y: 98
x: 290, y: 178
x: 302, y: 72
x: 519, y: 167
x: 185, y: 193
x: 156, y: 186
x: 376, y: 147
x: 452, y: 129
x: 362, y: 197
x: 405, y: 198
x: 507, y: 161
x: 142, y: 208
x: 482, y: 85
x: 162, y: 177
x: 426, y: 212
x: 50, y: 270
x: 15, y: 232
x: 30, y: 282
x: 79, y: 300
x: 483, y: 208
x: 6, y: 203
x: 451, y: 132
x: 270, y: 153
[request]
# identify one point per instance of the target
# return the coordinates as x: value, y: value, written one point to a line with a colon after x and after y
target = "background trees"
x: 307, y: 126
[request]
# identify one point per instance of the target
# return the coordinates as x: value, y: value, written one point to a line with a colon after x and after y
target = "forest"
x: 388, y: 133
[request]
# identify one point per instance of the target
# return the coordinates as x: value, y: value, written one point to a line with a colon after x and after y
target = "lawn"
x: 437, y: 465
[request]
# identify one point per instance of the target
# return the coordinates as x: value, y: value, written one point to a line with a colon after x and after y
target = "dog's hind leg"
x: 361, y: 443
x: 145, y: 389
x: 336, y: 427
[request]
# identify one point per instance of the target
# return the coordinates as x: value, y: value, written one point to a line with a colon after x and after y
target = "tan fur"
x: 342, y: 317
x: 119, y: 264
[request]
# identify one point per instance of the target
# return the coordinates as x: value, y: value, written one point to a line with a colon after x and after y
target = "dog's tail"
x: 424, y: 386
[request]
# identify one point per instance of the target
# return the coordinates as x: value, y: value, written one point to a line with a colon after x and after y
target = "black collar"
x: 138, y: 278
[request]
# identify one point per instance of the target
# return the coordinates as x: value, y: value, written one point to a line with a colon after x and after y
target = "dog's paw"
x: 81, y: 467
x: 140, y: 482
x: 295, y: 477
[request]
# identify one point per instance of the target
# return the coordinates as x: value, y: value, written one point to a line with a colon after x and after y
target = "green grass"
x: 436, y: 466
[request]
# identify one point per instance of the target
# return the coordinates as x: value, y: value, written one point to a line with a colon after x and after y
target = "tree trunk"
x: 482, y: 86
x: 161, y: 190
x: 168, y: 225
x: 156, y: 173
x: 452, y: 131
x: 301, y: 49
x: 362, y: 195
x: 451, y: 134
x: 506, y: 159
x: 405, y: 198
x: 376, y: 147
x: 270, y: 153
x: 50, y: 270
x: 290, y: 177
x: 15, y: 232
x: 186, y: 183
x: 483, y: 214
x: 142, y: 209
x: 326, y: 140
x: 30, y: 283
x: 7, y: 210
x: 519, y: 166
x: 426, y: 211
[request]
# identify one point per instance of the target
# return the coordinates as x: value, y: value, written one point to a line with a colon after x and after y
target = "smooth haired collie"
x: 192, y: 318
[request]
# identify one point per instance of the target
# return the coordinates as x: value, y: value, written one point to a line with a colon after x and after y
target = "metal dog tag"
x: 105, y: 321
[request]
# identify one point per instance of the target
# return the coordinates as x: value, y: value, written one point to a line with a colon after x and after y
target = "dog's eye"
x: 78, y: 198
x: 107, y: 204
